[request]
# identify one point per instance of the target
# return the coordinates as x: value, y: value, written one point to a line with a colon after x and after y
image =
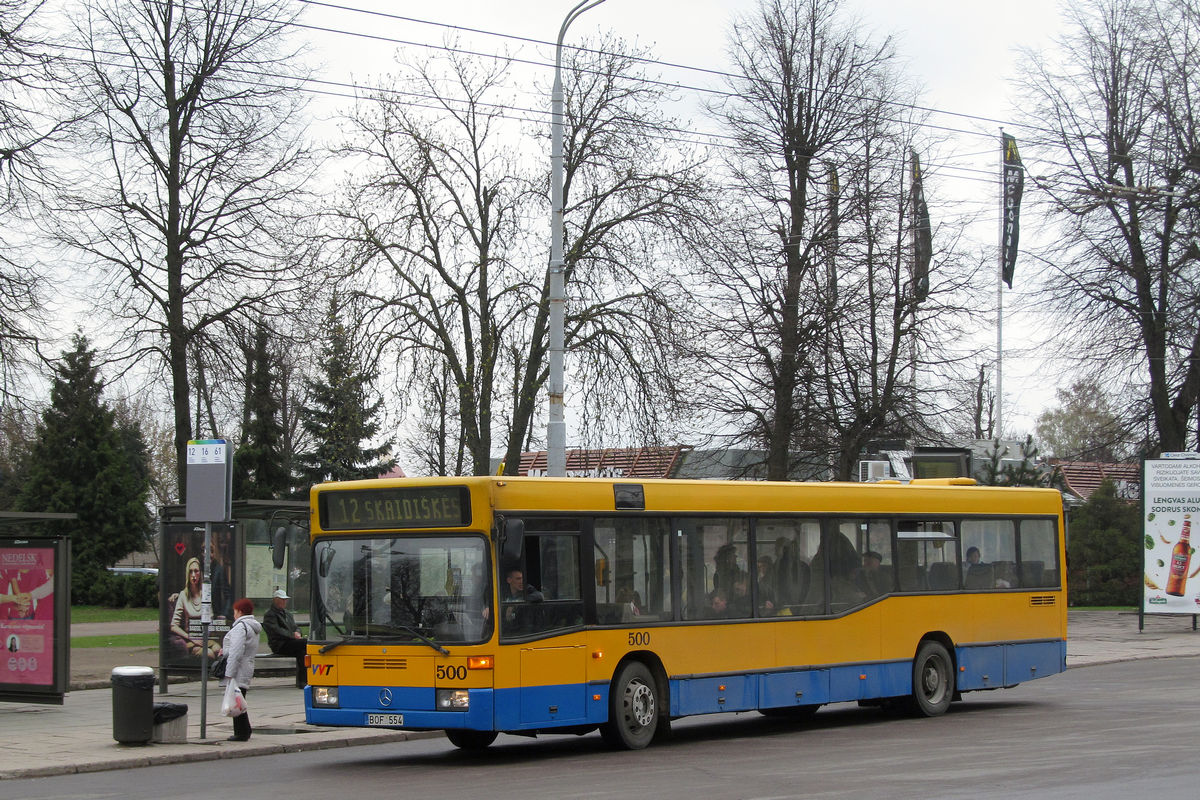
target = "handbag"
x: 234, y: 702
x: 217, y: 668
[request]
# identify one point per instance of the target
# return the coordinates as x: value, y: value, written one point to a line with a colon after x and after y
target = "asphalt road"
x: 1113, y: 731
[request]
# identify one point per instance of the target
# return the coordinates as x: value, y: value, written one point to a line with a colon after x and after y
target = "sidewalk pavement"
x: 77, y: 736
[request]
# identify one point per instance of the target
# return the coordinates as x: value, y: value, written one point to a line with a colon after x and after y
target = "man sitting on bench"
x: 283, y: 635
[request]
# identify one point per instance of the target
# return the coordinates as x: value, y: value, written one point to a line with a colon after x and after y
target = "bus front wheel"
x: 633, y: 711
x: 933, y: 679
x: 470, y: 740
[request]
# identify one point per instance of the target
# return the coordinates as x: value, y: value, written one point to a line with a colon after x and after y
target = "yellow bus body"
x: 563, y: 679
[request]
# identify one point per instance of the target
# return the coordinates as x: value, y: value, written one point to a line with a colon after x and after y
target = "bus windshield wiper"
x: 389, y: 629
x: 413, y: 632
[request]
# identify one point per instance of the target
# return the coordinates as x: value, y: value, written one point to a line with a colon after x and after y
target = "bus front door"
x: 553, y: 686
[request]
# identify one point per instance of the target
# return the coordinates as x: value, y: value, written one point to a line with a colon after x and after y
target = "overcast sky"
x: 962, y: 52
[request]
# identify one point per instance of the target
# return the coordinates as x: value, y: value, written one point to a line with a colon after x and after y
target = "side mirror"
x: 324, y: 562
x: 279, y: 538
x: 513, y: 539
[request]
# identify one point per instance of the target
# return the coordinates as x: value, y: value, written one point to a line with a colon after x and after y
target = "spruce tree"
x: 1105, y: 550
x: 82, y: 462
x: 339, y: 417
x: 259, y: 465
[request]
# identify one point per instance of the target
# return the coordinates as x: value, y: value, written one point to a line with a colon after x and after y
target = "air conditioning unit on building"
x: 870, y: 471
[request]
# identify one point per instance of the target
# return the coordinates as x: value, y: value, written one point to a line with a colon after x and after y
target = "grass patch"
x: 102, y: 614
x: 116, y: 640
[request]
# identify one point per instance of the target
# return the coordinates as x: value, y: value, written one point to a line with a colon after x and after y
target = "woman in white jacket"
x: 240, y: 646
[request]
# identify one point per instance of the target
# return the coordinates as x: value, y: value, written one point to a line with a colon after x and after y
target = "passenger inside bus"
x: 870, y: 579
x: 792, y: 575
x: 766, y: 586
x: 838, y: 555
x: 630, y: 603
x: 515, y: 590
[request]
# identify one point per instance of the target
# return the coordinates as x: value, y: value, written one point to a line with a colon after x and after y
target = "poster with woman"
x: 181, y: 577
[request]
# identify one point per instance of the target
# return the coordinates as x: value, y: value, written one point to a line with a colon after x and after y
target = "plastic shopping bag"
x: 234, y: 704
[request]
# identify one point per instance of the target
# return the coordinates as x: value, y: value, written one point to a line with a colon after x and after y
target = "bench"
x: 271, y: 664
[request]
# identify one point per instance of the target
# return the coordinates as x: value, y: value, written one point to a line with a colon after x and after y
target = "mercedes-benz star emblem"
x: 385, y: 697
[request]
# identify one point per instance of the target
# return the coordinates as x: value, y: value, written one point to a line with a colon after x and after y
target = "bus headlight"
x: 453, y: 700
x: 325, y: 696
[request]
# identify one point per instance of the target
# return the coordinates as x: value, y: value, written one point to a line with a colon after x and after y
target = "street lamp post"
x: 556, y: 428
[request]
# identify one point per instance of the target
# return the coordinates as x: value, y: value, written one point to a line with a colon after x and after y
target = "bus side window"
x: 716, y: 576
x: 843, y: 563
x: 1039, y: 556
x: 922, y: 544
x: 989, y: 548
x: 632, y: 570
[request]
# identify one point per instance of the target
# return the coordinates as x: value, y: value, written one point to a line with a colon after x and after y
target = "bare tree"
x: 1115, y: 121
x: 972, y: 410
x: 1085, y: 425
x: 193, y: 166
x: 817, y: 329
x: 450, y: 213
x: 27, y: 130
x: 632, y: 192
x: 438, y: 209
x: 18, y: 431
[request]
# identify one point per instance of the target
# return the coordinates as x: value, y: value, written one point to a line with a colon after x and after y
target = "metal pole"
x: 205, y: 621
x: 912, y: 274
x: 556, y: 428
x: 1000, y: 308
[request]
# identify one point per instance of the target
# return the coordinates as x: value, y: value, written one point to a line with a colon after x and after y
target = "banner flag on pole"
x: 1014, y: 185
x: 922, y: 234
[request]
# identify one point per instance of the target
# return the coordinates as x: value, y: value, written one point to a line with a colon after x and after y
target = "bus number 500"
x: 446, y: 673
x: 639, y: 639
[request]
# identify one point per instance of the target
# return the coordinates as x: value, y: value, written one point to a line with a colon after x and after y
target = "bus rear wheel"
x: 933, y: 680
x: 633, y: 710
x: 470, y: 740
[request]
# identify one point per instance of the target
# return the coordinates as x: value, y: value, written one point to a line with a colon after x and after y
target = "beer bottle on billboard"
x: 1181, y: 556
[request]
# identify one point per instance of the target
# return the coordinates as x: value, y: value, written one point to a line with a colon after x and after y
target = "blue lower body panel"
x: 991, y: 666
x: 985, y: 666
x: 800, y: 687
x: 415, y: 705
x: 561, y: 705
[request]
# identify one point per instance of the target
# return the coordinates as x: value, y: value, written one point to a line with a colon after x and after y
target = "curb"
x: 215, y: 750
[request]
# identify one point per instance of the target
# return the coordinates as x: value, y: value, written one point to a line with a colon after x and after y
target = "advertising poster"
x: 1171, y: 492
x: 27, y: 614
x: 262, y: 579
x: 181, y: 577
x: 35, y: 613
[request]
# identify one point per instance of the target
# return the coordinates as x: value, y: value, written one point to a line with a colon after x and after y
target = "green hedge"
x: 1105, y: 552
x: 119, y: 591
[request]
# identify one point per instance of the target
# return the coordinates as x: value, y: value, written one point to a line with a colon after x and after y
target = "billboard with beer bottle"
x: 1171, y: 495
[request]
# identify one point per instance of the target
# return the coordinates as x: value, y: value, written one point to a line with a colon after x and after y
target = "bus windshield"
x: 431, y: 590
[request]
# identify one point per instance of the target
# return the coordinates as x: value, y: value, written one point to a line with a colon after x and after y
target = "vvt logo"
x: 322, y: 669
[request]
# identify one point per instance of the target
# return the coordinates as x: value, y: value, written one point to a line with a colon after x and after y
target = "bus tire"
x: 470, y: 740
x: 933, y: 679
x: 633, y: 708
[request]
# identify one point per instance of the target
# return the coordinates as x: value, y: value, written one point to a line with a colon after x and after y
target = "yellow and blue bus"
x: 536, y: 605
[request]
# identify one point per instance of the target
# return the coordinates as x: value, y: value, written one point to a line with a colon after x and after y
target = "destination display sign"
x: 394, y: 507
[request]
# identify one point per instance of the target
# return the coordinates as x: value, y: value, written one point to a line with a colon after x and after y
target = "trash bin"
x: 170, y: 723
x: 133, y: 704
